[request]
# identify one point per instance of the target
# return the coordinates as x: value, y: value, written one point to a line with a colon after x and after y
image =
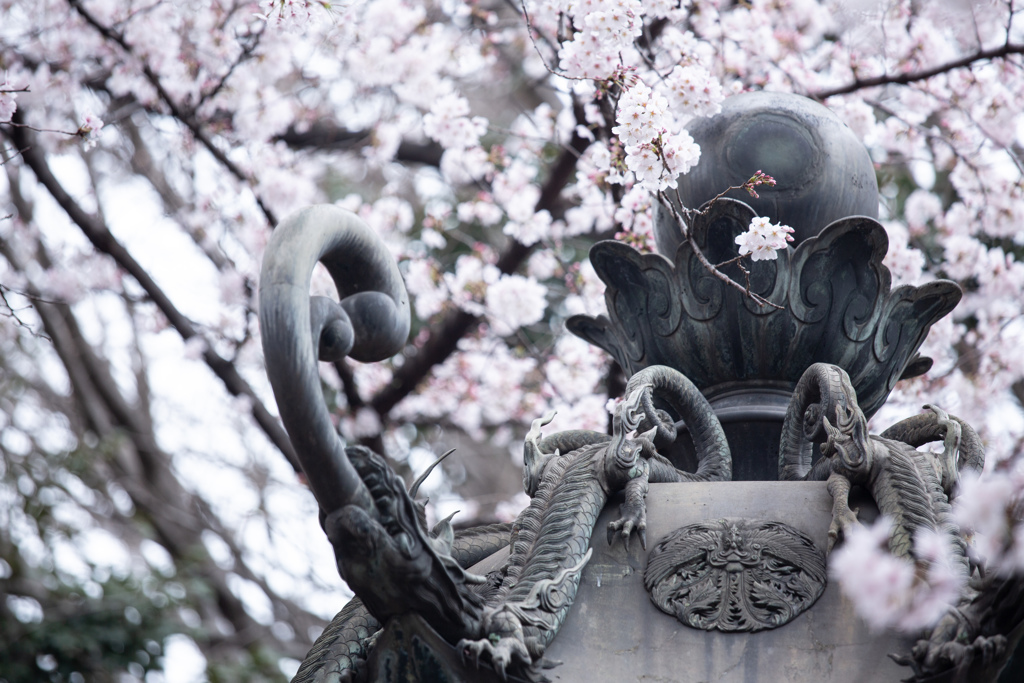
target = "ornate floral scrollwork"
x: 838, y: 306
x: 735, y: 574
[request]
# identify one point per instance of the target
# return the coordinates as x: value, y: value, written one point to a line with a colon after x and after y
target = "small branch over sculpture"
x: 762, y: 241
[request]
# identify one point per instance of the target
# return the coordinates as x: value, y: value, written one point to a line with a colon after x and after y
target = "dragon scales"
x: 570, y: 477
x: 384, y: 551
x: 912, y: 488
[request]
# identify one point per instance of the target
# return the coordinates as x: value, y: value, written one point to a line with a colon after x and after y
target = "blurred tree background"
x: 153, y: 522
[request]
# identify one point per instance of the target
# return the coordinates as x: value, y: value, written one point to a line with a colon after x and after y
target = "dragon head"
x: 848, y: 438
x: 388, y: 558
x: 626, y: 444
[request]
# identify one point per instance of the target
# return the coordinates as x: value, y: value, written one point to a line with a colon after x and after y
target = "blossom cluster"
x: 891, y: 592
x: 694, y: 91
x: 655, y: 154
x: 515, y: 301
x: 607, y: 28
x: 450, y: 124
x: 293, y: 15
x: 90, y: 129
x: 763, y: 239
x: 990, y: 508
x: 507, y: 301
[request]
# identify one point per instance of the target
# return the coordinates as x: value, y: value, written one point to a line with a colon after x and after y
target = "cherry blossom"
x: 988, y: 507
x: 763, y: 239
x: 514, y: 301
x: 694, y: 91
x: 448, y: 123
x: 888, y: 591
x: 489, y: 150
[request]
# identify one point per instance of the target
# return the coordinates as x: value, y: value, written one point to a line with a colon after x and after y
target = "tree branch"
x: 904, y: 79
x: 178, y: 517
x: 328, y: 135
x: 186, y: 117
x: 103, y: 240
x: 444, y: 338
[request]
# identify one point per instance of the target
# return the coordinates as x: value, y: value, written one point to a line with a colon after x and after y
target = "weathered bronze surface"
x: 838, y: 307
x: 822, y: 169
x: 838, y: 304
x: 569, y: 477
x: 735, y: 575
x: 615, y: 633
x: 719, y: 387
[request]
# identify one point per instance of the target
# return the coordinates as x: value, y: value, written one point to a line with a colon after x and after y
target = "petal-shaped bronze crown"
x: 838, y: 306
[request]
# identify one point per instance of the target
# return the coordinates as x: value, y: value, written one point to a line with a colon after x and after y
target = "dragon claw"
x: 504, y: 654
x: 843, y: 522
x: 633, y: 519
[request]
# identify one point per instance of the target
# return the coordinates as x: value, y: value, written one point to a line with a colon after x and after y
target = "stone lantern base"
x: 615, y: 633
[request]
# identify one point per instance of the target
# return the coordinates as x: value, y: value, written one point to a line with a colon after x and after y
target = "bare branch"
x: 104, y: 240
x: 12, y: 312
x: 912, y: 77
x: 710, y: 267
x: 245, y: 55
x: 144, y: 470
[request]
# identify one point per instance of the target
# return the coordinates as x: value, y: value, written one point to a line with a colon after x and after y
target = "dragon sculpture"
x: 570, y: 476
x: 912, y: 488
x: 507, y: 619
x: 383, y: 548
x: 339, y: 654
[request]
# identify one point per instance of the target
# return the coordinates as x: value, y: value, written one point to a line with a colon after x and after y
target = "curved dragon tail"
x: 673, y: 387
x: 821, y: 390
x: 371, y: 323
x: 927, y: 427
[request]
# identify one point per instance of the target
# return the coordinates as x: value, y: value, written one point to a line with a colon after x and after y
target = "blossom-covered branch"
x: 180, y: 113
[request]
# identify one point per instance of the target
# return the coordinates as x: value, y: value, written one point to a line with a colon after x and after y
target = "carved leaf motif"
x: 735, y: 574
x: 838, y: 307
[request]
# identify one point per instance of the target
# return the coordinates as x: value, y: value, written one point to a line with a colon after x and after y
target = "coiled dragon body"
x: 570, y: 477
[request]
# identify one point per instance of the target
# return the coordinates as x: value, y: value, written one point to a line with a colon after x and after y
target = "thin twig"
x: 41, y: 130
x: 246, y: 53
x: 530, y: 32
x: 13, y: 312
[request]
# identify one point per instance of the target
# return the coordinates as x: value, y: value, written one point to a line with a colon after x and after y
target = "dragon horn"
x: 630, y: 413
x: 414, y: 489
x: 833, y: 434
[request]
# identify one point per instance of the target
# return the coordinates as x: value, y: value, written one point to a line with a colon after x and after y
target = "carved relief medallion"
x: 735, y: 574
